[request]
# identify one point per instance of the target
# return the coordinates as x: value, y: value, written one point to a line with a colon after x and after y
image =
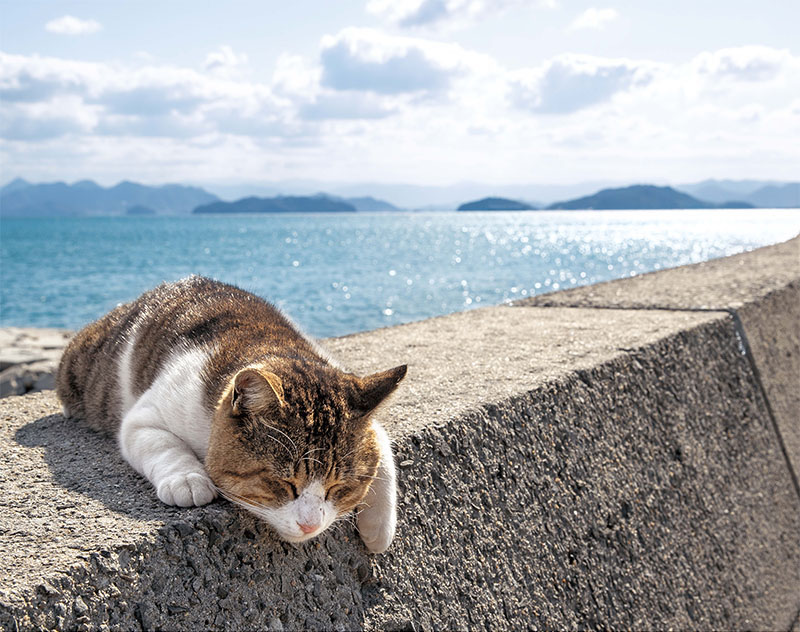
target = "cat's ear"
x: 373, y: 389
x: 256, y: 391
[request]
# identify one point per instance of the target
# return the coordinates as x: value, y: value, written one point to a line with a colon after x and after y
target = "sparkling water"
x: 338, y: 274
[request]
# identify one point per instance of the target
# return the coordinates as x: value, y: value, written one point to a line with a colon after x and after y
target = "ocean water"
x: 339, y: 274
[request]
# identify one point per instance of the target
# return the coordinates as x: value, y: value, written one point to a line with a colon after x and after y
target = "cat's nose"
x: 308, y: 528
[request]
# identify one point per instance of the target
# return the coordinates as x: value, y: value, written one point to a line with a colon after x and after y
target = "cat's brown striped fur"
x: 280, y: 414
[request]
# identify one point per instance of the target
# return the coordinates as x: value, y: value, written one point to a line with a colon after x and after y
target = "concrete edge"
x: 741, y: 333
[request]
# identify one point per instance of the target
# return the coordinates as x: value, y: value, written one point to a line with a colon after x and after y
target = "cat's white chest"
x: 175, y: 398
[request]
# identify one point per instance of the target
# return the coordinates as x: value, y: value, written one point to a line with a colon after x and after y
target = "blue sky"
x: 419, y: 91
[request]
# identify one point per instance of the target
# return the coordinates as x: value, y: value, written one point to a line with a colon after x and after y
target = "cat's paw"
x: 186, y: 490
x: 376, y: 529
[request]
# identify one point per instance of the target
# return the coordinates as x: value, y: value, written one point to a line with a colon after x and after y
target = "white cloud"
x: 348, y: 105
x: 295, y: 77
x: 593, y: 18
x: 37, y: 79
x: 365, y: 59
x: 225, y: 61
x: 122, y: 100
x: 446, y: 112
x: 746, y: 63
x: 47, y: 119
x: 569, y: 83
x: 70, y: 25
x: 421, y: 13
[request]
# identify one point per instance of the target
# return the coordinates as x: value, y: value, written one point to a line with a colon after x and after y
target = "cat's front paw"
x: 377, y: 528
x: 186, y: 490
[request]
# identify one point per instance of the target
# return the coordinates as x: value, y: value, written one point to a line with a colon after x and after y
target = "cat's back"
x: 112, y: 361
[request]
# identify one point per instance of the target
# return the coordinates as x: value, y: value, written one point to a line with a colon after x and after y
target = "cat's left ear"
x: 255, y: 391
x: 373, y: 389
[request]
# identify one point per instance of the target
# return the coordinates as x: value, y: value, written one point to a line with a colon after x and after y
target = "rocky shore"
x: 29, y: 358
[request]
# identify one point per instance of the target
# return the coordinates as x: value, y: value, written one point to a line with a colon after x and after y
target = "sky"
x: 428, y: 92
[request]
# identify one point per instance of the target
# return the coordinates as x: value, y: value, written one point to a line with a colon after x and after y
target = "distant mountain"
x: 58, y: 199
x: 711, y: 192
x: 411, y: 196
x: 364, y: 203
x: 281, y: 204
x: 640, y: 196
x: 370, y: 204
x: 776, y: 196
x: 719, y: 191
x: 496, y: 204
x: 15, y: 185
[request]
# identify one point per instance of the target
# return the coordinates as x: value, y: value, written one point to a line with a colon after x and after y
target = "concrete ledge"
x: 559, y: 467
x: 761, y: 288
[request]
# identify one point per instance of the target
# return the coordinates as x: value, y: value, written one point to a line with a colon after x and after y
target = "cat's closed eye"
x: 291, y: 488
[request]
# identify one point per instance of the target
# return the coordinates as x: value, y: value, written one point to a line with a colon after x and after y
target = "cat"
x: 212, y: 390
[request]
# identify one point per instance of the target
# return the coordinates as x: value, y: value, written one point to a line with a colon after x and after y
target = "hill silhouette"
x: 280, y: 204
x: 496, y: 204
x: 641, y: 196
x: 58, y: 199
x: 759, y: 193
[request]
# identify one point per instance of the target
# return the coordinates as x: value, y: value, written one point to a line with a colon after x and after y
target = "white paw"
x: 376, y: 529
x: 186, y: 490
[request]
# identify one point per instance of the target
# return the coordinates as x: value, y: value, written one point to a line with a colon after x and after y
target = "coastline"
x: 29, y: 358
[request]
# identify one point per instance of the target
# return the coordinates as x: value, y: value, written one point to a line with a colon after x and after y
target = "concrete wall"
x: 617, y: 456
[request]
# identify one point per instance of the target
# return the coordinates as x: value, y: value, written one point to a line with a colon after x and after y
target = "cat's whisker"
x: 336, y: 526
x: 293, y: 454
x: 365, y: 476
x: 240, y: 500
x: 312, y: 450
x: 341, y: 520
x: 280, y: 443
x: 348, y: 454
x: 308, y: 458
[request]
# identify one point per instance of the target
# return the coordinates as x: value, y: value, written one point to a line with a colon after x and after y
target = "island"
x: 496, y: 204
x: 279, y: 204
x: 641, y: 196
x: 369, y: 204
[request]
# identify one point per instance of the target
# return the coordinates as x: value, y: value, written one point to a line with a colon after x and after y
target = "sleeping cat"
x: 211, y: 389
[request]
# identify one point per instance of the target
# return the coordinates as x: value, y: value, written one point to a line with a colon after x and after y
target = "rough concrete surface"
x: 564, y: 468
x: 762, y: 287
x: 772, y: 326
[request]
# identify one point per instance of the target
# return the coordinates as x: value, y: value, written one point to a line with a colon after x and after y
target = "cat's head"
x: 294, y: 443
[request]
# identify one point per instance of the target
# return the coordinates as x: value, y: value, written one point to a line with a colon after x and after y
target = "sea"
x: 337, y: 274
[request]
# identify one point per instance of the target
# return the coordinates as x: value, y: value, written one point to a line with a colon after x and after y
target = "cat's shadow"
x: 89, y: 463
